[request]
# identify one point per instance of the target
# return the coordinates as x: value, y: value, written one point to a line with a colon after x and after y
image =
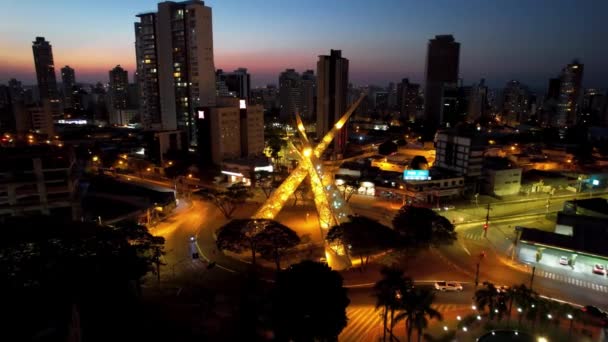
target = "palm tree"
x: 520, y: 295
x: 487, y: 296
x: 388, y: 292
x: 416, y: 308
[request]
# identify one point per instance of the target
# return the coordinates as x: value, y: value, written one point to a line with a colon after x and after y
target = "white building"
x: 502, y: 182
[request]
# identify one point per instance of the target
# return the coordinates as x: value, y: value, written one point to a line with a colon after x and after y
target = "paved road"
x: 451, y: 263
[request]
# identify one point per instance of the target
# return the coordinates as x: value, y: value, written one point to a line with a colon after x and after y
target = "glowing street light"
x: 307, y: 152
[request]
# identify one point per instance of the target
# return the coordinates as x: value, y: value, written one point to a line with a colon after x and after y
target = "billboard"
x: 416, y: 175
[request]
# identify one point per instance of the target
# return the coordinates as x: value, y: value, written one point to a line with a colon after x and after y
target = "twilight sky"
x: 385, y: 40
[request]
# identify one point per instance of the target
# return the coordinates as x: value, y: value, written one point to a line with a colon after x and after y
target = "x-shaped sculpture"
x: 330, y: 205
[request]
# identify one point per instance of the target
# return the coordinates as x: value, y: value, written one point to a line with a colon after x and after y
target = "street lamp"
x: 519, y: 311
x: 570, y: 317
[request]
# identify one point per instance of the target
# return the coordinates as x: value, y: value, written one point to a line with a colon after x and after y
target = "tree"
x: 256, y: 235
x: 227, y: 200
x: 349, y: 187
x: 265, y: 181
x: 423, y: 228
x: 274, y: 240
x: 520, y: 295
x: 388, y: 292
x: 489, y: 297
x: 301, y: 191
x: 362, y: 237
x: 387, y: 147
x: 309, y: 303
x: 416, y: 306
x: 50, y: 268
x: 148, y: 246
x: 419, y: 163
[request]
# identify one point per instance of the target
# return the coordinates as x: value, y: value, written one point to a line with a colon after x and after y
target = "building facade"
x: 571, y: 80
x: 309, y: 94
x: 408, y: 99
x: 37, y: 180
x: 461, y: 154
x: 290, y: 94
x: 332, y: 96
x: 515, y: 104
x: 442, y: 63
x: 233, y: 129
x: 119, y: 84
x: 234, y: 84
x: 45, y: 75
x: 175, y: 65
x: 68, y: 81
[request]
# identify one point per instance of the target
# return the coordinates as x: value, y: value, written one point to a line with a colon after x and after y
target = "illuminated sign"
x: 229, y: 173
x: 595, y: 182
x: 242, y: 104
x: 201, y: 114
x: 416, y: 175
x: 268, y: 168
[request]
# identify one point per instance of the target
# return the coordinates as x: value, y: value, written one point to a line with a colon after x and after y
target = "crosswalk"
x: 572, y: 281
x: 365, y: 322
x: 475, y: 236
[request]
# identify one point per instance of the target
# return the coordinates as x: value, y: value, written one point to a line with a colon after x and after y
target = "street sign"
x: 416, y: 175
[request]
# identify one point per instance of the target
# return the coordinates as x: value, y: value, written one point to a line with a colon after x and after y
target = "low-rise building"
x: 500, y: 178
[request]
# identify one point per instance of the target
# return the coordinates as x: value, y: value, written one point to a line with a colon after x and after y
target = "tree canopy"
x: 309, y: 303
x: 268, y: 237
x: 227, y: 200
x: 362, y: 237
x: 50, y: 270
x: 422, y: 227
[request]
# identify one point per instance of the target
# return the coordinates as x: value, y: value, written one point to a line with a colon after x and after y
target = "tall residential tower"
x: 175, y: 67
x: 332, y: 89
x: 442, y: 59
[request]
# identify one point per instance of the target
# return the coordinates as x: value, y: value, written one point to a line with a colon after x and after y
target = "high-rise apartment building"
x: 408, y: 99
x: 442, y: 62
x: 516, y: 103
x: 45, y: 75
x: 477, y: 101
x: 569, y: 93
x: 290, y: 94
x: 119, y: 86
x: 175, y: 67
x: 332, y: 90
x: 68, y: 81
x: 45, y: 69
x: 234, y: 84
x: 309, y: 93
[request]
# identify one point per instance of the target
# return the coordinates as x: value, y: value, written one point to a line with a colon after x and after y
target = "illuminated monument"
x: 330, y: 205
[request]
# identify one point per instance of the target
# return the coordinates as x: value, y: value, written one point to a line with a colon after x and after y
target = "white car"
x: 563, y: 260
x: 448, y: 286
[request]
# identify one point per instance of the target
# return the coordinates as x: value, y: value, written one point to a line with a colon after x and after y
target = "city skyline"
x: 384, y: 42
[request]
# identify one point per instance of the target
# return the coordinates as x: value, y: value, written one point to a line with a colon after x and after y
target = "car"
x: 448, y: 286
x: 563, y: 260
x: 599, y: 269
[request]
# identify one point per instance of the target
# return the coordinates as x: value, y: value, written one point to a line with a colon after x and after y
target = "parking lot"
x: 573, y: 265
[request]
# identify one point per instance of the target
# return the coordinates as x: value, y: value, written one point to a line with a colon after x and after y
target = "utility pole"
x: 481, y: 256
x: 486, y: 225
x: 532, y: 277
